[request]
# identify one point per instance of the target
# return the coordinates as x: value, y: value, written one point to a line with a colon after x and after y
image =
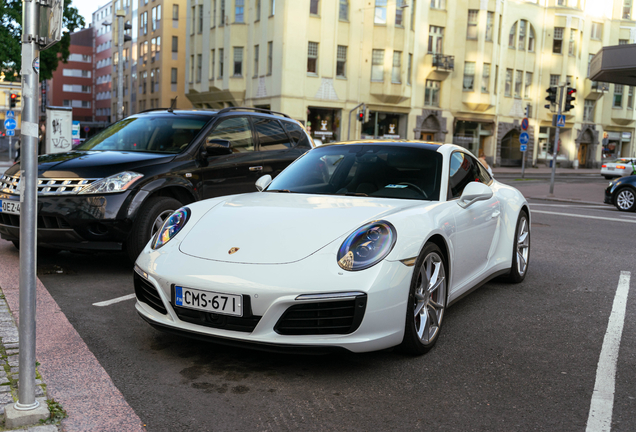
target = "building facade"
x: 102, y: 63
x: 461, y: 71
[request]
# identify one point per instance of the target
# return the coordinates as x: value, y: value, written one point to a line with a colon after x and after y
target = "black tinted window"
x: 463, y: 170
x: 237, y: 131
x: 271, y: 134
x: 297, y: 134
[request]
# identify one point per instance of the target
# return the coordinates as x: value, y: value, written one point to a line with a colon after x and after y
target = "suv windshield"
x: 388, y: 171
x: 157, y: 133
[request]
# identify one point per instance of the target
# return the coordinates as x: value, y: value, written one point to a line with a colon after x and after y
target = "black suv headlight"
x: 115, y: 183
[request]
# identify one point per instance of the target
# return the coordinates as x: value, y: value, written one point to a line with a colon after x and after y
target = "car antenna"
x: 174, y: 102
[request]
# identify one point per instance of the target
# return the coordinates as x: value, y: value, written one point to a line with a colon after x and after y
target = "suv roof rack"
x: 253, y: 109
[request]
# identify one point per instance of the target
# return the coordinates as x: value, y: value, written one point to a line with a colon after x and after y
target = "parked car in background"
x: 114, y: 191
x: 618, y: 168
x: 621, y: 193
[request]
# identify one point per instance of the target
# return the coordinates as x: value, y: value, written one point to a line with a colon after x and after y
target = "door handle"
x: 256, y: 168
x: 495, y: 213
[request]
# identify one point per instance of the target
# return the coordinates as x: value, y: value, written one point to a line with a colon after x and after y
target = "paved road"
x: 510, y: 358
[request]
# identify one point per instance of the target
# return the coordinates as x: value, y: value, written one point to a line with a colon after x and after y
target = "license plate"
x: 610, y: 168
x: 12, y: 207
x: 214, y: 302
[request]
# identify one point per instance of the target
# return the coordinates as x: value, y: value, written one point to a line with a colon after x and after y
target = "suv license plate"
x: 11, y: 207
x: 219, y: 303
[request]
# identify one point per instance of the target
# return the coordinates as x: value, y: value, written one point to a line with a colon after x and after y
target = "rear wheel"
x: 426, y: 302
x: 520, y: 249
x: 625, y: 199
x: 149, y: 220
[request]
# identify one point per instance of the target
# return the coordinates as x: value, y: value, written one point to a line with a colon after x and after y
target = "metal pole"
x: 10, y: 149
x: 556, y: 139
x: 28, y: 204
x: 120, y: 64
x: 523, y: 164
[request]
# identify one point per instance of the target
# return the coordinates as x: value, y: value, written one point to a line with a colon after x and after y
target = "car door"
x: 237, y: 170
x: 476, y: 225
x: 278, y: 148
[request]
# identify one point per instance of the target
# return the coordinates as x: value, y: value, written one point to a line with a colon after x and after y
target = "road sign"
x: 524, y: 138
x: 10, y: 124
x: 86, y: 128
x: 524, y: 124
x: 10, y: 132
x: 560, y: 121
x: 10, y: 115
x: 523, y: 147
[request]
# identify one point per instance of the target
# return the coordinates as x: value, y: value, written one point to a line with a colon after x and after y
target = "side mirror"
x: 474, y: 191
x: 263, y: 182
x: 216, y: 147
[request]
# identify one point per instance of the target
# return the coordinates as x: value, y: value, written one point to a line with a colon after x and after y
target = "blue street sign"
x: 560, y: 121
x: 523, y: 147
x: 10, y: 124
x: 10, y: 114
x: 524, y: 124
x: 524, y: 138
x: 10, y: 132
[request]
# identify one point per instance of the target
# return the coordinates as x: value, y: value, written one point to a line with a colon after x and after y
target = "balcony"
x: 443, y: 62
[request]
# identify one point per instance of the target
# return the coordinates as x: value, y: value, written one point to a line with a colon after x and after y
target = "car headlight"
x: 115, y: 183
x: 171, y: 227
x: 367, y: 246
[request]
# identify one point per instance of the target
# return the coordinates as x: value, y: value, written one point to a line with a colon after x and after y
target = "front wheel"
x: 426, y: 302
x: 626, y: 200
x: 520, y: 249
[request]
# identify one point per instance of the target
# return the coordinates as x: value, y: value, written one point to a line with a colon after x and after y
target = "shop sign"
x: 391, y: 133
x: 323, y: 129
x: 391, y: 136
x: 627, y: 136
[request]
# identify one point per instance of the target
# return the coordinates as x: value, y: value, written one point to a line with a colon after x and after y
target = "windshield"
x: 167, y: 133
x: 388, y: 171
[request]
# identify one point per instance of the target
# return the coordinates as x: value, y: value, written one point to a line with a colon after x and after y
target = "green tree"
x: 11, y: 32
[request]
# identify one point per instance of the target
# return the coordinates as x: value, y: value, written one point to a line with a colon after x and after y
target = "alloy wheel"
x: 430, y: 298
x: 523, y: 246
x: 625, y: 199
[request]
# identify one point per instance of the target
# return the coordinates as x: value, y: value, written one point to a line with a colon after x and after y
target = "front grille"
x: 147, y: 293
x: 323, y: 318
x: 44, y: 222
x: 246, y: 323
x: 46, y: 186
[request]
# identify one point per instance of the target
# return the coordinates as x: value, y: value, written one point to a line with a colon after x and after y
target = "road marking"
x: 584, y: 216
x: 600, y: 417
x: 115, y: 300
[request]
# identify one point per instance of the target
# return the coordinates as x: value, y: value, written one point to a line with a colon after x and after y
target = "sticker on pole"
x: 560, y: 120
x: 36, y: 65
x: 524, y: 138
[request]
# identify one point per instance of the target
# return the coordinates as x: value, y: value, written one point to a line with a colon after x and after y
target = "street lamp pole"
x: 562, y: 87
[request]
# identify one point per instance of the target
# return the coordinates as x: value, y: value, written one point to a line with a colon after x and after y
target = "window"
x: 175, y: 11
x: 438, y: 4
x: 312, y: 58
x: 471, y: 32
x: 313, y: 7
x: 413, y: 6
x: 597, y: 31
x: 588, y: 110
x: 431, y: 94
x: 200, y: 29
x: 464, y: 169
x: 220, y: 62
x: 490, y: 20
x: 199, y: 67
x: 175, y: 44
x: 399, y: 15
x: 572, y: 43
x: 239, y: 8
x: 618, y: 96
x: 554, y: 80
x: 271, y: 134
x: 272, y: 7
x: 627, y: 9
x: 238, y: 61
x: 435, y: 40
x: 396, y: 71
x: 512, y: 37
x: 211, y: 71
x: 409, y: 70
x: 377, y: 65
x: 237, y: 131
x: 341, y: 62
x: 297, y: 134
x: 508, y: 87
x: 496, y: 79
x: 256, y: 54
x: 258, y: 10
x: 270, y: 57
x: 380, y: 12
x: 518, y: 83
x: 485, y: 79
x: 630, y: 97
x: 557, y: 43
x: 521, y: 44
x: 623, y: 41
x: 469, y: 76
x: 213, y: 13
x: 530, y: 39
x: 144, y: 22
x: 192, y: 23
x: 222, y: 22
x: 343, y: 10
x: 156, y: 17
x: 528, y: 84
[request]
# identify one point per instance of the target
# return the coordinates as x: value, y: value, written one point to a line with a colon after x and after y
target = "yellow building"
x: 462, y: 71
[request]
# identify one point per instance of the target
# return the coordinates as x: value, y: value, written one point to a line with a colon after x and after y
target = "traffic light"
x: 360, y: 116
x: 569, y: 99
x: 13, y: 100
x: 127, y: 26
x: 552, y: 95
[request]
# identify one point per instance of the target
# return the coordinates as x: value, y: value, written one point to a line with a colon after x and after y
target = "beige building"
x: 462, y: 71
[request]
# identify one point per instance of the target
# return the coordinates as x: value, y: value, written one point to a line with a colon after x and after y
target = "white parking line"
x: 600, y: 417
x: 585, y: 216
x: 115, y: 300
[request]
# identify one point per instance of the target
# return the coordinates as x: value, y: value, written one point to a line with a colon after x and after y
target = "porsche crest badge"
x: 233, y: 250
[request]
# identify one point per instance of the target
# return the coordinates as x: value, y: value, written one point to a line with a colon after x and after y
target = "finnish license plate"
x: 214, y: 302
x: 610, y: 168
x: 12, y: 207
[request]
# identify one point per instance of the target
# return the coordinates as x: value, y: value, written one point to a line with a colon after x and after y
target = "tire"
x: 149, y: 220
x: 520, y: 249
x: 625, y: 199
x: 41, y: 251
x: 608, y: 177
x: 427, y: 300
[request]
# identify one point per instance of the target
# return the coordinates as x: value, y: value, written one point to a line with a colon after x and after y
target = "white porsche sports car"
x: 358, y: 246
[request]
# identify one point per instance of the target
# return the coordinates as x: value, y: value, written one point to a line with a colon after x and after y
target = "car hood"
x: 93, y: 164
x: 272, y: 228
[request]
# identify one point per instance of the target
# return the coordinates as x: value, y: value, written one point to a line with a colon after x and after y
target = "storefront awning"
x: 615, y: 64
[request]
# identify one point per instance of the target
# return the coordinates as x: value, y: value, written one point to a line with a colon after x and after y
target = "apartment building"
x: 461, y: 71
x: 102, y: 63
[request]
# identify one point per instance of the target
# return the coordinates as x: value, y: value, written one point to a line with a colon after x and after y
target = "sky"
x: 87, y: 7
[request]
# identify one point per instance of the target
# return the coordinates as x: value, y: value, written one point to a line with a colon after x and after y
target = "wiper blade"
x: 279, y: 190
x: 356, y: 194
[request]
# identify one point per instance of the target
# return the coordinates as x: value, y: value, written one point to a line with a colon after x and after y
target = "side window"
x: 484, y: 177
x: 271, y: 134
x: 463, y: 170
x: 237, y: 131
x: 297, y: 134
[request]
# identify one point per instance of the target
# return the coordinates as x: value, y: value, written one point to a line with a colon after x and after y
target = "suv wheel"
x: 149, y: 220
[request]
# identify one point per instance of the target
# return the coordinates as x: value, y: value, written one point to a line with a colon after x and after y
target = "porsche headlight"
x: 115, y: 183
x: 171, y: 227
x: 367, y: 246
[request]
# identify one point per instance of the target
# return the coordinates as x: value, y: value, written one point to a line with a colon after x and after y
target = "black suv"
x: 115, y: 190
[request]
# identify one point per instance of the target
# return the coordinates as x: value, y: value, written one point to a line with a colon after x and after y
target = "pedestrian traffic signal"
x: 13, y: 100
x: 552, y: 95
x: 360, y: 116
x: 127, y: 27
x: 569, y: 99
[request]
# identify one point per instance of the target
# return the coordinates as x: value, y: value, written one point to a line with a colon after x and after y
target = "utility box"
x: 59, y: 129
